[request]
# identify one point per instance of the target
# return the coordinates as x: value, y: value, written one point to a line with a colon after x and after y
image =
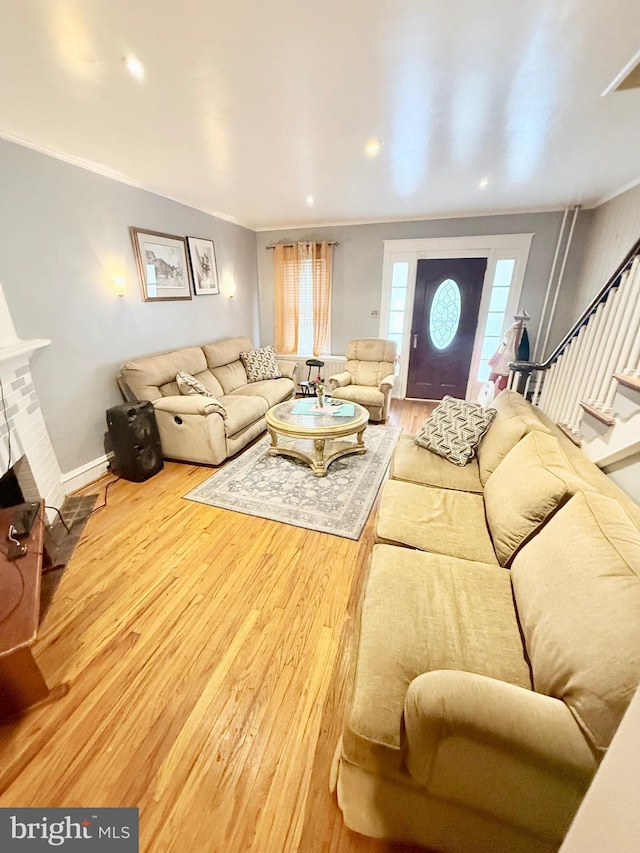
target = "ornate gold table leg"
x: 319, y: 466
x: 273, y: 449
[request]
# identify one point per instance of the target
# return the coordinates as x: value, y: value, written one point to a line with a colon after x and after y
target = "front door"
x: 445, y: 315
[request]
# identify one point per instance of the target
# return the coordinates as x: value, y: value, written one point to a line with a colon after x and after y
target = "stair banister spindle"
x: 549, y: 383
x: 608, y: 356
x: 576, y: 371
x: 613, y: 356
x: 563, y: 374
x: 630, y: 332
x: 610, y: 311
x: 633, y: 361
x: 541, y: 380
x: 588, y: 358
x: 575, y: 379
x: 559, y: 369
x: 527, y: 384
x: 569, y: 360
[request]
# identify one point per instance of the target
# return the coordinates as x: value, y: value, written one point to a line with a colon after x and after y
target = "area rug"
x: 285, y: 489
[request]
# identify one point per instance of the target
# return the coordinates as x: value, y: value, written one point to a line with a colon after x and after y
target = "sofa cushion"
x: 272, y: 390
x: 423, y: 612
x: 242, y: 411
x: 415, y: 464
x: 533, y: 480
x: 454, y: 429
x: 223, y: 360
x: 515, y: 418
x: 365, y: 395
x: 439, y: 520
x: 577, y: 591
x: 261, y: 364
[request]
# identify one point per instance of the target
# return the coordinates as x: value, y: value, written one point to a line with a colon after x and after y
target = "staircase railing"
x: 604, y: 340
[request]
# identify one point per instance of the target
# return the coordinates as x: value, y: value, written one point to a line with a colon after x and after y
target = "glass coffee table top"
x: 300, y: 415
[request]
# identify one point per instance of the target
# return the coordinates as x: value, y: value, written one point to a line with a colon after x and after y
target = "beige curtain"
x: 286, y: 298
x: 291, y: 264
x: 322, y: 267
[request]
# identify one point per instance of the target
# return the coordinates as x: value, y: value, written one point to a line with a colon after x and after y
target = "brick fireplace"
x: 25, y: 444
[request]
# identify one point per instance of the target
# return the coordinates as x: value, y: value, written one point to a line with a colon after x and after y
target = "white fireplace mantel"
x: 16, y: 354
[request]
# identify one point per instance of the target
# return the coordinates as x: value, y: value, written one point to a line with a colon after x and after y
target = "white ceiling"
x: 247, y: 108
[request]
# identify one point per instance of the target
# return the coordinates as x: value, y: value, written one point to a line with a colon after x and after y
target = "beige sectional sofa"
x: 499, y: 642
x: 190, y: 428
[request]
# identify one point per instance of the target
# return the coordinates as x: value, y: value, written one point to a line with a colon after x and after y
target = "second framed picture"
x: 204, y: 273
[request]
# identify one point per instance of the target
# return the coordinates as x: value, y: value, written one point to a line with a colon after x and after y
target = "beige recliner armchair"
x: 368, y: 379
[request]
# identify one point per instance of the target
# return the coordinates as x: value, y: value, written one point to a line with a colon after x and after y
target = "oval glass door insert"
x: 445, y: 314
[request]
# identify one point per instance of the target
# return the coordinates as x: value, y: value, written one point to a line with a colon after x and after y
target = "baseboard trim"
x: 85, y: 474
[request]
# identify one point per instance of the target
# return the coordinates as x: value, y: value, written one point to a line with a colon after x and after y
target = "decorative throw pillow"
x: 261, y: 364
x: 454, y: 429
x: 189, y: 385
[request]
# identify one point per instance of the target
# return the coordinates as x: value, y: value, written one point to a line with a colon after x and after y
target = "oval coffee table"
x: 289, y: 431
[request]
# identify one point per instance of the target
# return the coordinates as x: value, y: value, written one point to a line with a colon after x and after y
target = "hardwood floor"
x: 208, y: 655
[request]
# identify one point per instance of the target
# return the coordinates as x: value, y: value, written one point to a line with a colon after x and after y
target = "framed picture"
x: 162, y: 265
x: 204, y: 272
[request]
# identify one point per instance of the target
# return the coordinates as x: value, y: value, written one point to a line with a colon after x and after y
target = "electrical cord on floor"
x: 64, y: 523
x: 106, y: 491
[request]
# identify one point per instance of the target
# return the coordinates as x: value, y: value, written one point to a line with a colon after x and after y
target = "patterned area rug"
x: 285, y: 489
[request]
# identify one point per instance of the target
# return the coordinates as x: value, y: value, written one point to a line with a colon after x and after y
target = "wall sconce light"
x: 231, y: 289
x: 119, y: 284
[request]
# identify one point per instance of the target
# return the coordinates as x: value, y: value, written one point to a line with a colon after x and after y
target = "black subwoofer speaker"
x: 135, y: 441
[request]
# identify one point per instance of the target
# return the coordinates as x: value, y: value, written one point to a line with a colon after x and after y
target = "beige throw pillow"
x: 261, y: 364
x: 454, y: 429
x: 189, y: 385
x: 533, y: 480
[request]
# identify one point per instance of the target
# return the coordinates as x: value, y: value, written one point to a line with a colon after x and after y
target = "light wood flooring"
x: 208, y: 655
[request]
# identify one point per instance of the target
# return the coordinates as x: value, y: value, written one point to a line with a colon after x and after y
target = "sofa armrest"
x: 187, y: 404
x: 288, y: 368
x: 498, y: 749
x: 531, y: 727
x: 387, y: 383
x: 339, y: 380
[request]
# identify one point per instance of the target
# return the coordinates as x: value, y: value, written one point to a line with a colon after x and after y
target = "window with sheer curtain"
x: 302, y: 279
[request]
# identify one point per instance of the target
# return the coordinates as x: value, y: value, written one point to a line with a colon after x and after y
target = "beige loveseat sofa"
x: 499, y: 643
x: 191, y: 430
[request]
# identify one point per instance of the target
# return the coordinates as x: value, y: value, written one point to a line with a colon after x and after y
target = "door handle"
x: 415, y: 341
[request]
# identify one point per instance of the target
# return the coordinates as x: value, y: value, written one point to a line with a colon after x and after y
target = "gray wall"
x: 65, y: 234
x: 358, y: 265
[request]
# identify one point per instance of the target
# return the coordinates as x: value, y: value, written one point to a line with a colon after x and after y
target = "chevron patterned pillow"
x: 261, y: 364
x: 454, y: 429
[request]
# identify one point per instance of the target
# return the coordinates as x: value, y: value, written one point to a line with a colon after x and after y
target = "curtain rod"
x: 290, y: 245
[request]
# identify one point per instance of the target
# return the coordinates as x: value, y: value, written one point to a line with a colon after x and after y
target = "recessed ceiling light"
x: 310, y: 200
x: 484, y: 183
x: 372, y: 148
x: 134, y: 67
